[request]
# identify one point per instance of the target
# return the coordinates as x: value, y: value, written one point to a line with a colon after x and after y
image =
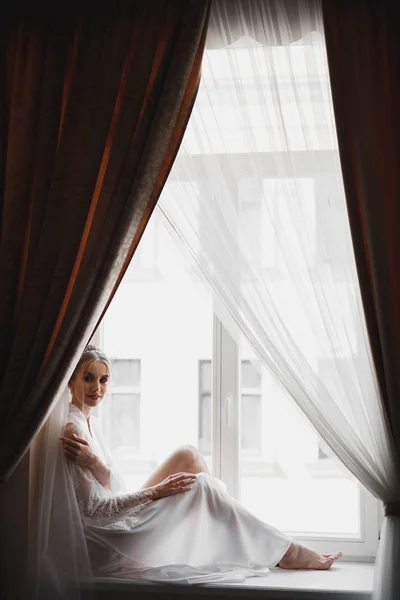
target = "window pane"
x: 205, y: 432
x: 205, y: 376
x: 251, y: 423
x: 124, y: 424
x: 251, y: 377
x: 157, y: 331
x: 292, y: 463
x: 125, y: 372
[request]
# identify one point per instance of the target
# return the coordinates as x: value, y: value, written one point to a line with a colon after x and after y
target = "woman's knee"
x: 188, y: 455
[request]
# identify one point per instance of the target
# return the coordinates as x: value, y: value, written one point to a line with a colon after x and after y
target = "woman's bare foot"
x: 301, y: 557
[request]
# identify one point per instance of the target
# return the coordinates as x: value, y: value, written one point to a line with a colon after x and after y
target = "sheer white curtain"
x: 256, y: 197
x: 58, y: 553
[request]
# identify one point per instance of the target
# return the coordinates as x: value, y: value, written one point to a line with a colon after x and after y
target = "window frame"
x: 226, y: 451
x: 247, y: 392
x: 225, y: 446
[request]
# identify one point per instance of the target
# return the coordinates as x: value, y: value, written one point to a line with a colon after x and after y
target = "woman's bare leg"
x: 186, y: 459
x: 301, y: 557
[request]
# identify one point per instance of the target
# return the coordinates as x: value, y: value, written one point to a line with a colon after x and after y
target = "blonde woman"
x: 181, y: 524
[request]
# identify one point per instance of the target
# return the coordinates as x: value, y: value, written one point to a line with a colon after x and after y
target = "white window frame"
x: 225, y: 448
x: 225, y: 453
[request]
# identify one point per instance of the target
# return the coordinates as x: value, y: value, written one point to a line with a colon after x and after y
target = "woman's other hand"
x: 78, y: 450
x: 173, y: 484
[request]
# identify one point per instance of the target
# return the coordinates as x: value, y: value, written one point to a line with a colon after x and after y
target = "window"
x: 264, y: 209
x: 197, y: 382
x: 156, y: 331
x: 289, y: 466
x: 180, y: 377
x: 121, y: 417
x: 250, y: 408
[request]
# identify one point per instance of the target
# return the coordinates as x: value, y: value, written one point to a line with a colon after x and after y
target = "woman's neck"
x: 84, y: 409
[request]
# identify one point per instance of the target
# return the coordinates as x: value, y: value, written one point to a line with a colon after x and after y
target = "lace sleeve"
x: 97, y: 504
x: 100, y: 506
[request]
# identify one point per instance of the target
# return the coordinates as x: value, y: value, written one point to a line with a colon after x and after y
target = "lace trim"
x: 103, y: 508
x: 74, y: 475
x: 116, y: 508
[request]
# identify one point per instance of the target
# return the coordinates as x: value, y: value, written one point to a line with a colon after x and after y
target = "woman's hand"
x: 173, y: 484
x: 79, y: 451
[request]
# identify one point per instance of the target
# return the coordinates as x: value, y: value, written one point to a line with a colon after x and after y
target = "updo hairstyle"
x: 89, y: 355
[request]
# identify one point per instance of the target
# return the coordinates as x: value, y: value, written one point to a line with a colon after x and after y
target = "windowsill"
x: 344, y: 581
x: 350, y: 578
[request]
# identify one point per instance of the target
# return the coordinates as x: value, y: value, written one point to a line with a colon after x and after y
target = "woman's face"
x: 90, y: 383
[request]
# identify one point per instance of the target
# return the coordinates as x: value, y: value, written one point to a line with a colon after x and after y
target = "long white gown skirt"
x: 199, y: 536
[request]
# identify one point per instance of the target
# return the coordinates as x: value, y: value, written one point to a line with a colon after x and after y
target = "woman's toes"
x: 335, y: 555
x: 328, y: 559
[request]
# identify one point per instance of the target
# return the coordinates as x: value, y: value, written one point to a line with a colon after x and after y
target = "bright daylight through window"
x: 161, y: 330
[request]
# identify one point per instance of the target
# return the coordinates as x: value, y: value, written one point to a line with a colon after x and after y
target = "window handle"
x: 228, y: 410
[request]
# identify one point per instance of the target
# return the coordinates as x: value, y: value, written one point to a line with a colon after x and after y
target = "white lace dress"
x: 203, y: 535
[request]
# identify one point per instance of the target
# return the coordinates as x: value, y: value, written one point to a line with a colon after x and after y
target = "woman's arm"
x: 103, y: 508
x: 78, y: 450
x: 106, y: 510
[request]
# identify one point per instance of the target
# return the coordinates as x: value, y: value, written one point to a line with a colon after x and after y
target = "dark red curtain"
x: 95, y: 98
x: 362, y: 40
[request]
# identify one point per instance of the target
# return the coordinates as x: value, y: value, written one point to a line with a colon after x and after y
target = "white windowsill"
x: 344, y: 581
x: 350, y: 577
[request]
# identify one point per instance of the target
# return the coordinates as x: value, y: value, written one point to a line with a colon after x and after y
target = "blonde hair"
x: 89, y: 355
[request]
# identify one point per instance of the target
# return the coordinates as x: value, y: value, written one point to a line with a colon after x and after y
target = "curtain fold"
x: 259, y: 20
x: 364, y: 66
x: 94, y: 105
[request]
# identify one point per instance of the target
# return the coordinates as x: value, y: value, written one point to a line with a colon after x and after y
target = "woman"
x: 181, y: 524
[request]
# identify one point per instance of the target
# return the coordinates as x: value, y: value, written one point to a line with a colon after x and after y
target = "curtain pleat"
x: 258, y: 18
x: 362, y: 47
x: 94, y: 102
